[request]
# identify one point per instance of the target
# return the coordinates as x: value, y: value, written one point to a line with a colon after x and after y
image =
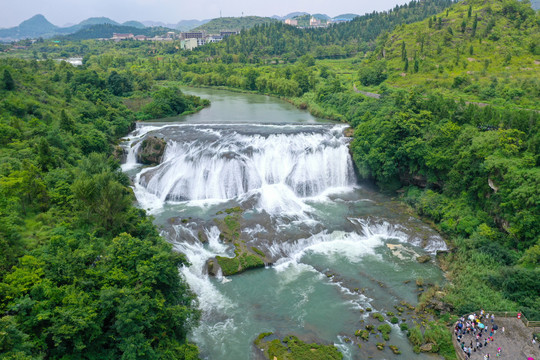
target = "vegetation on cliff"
x: 82, y: 272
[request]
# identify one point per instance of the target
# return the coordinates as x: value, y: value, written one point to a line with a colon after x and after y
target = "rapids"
x: 336, y: 247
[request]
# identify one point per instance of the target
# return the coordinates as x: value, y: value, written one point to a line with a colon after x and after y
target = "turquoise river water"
x: 337, y: 247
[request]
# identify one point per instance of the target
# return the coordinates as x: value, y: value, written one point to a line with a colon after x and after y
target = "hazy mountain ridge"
x: 106, y: 31
x: 234, y: 23
x: 186, y: 25
x: 39, y: 26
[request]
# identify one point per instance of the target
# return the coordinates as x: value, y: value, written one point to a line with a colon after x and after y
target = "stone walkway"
x: 515, y: 342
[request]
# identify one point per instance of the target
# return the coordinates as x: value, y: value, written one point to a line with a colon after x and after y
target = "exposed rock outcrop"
x: 151, y: 150
x: 119, y: 153
x: 427, y: 347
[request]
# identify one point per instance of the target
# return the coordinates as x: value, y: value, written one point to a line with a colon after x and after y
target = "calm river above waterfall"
x: 337, y: 248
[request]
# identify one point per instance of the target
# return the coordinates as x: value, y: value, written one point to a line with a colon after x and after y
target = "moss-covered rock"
x: 118, y: 153
x: 362, y: 334
x: 151, y: 150
x: 429, y: 347
x: 241, y: 262
x: 385, y: 329
x: 211, y: 267
x: 423, y: 259
x: 394, y: 349
x: 245, y: 258
x: 292, y: 348
x: 378, y: 316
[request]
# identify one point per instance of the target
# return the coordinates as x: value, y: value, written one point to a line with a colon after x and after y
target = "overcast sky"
x: 61, y: 12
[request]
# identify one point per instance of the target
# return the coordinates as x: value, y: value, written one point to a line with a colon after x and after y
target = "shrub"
x: 385, y: 329
x: 415, y: 336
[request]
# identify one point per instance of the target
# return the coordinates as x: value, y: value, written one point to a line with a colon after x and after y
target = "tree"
x: 373, y: 75
x: 9, y: 84
x: 118, y: 84
x: 66, y: 122
x: 251, y: 78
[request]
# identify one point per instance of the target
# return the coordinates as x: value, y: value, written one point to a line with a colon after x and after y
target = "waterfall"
x: 276, y: 164
x: 334, y: 247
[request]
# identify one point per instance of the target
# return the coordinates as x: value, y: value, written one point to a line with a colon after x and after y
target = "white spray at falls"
x: 268, y: 162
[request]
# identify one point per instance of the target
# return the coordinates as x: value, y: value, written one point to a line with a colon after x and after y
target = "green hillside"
x: 133, y: 23
x: 106, y: 31
x: 83, y: 273
x: 233, y: 23
x: 338, y: 41
x: 481, y: 51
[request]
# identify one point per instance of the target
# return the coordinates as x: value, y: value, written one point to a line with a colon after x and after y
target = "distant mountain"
x: 347, y: 16
x: 295, y: 14
x: 233, y: 23
x: 97, y: 21
x: 186, y: 25
x: 36, y: 26
x: 37, y: 23
x: 85, y: 23
x: 321, y: 16
x: 135, y: 24
x: 106, y: 31
x: 150, y: 23
x: 39, y: 26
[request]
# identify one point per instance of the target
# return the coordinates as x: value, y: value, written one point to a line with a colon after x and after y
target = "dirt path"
x: 515, y: 342
x: 368, y: 94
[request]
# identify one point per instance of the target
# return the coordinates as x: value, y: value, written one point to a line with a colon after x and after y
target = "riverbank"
x: 471, y: 227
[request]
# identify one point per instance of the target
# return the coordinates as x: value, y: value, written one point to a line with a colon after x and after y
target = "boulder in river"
x: 423, y: 259
x: 427, y: 347
x: 211, y: 267
x: 151, y: 150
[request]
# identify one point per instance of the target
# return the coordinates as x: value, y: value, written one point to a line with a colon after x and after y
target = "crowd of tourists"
x: 477, y: 333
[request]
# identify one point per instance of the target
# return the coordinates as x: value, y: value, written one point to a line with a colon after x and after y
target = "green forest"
x: 444, y: 100
x: 84, y: 273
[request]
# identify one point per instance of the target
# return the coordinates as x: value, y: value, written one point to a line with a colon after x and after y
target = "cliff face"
x: 151, y: 151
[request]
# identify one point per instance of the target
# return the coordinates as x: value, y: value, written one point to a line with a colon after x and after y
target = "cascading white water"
x: 227, y: 163
x: 328, y: 239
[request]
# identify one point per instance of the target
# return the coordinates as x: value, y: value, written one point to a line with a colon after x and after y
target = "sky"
x: 62, y: 12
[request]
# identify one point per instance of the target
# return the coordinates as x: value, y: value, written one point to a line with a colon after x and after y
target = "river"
x: 337, y: 248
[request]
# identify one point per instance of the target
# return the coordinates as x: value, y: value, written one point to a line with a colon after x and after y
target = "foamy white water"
x: 279, y: 168
x: 303, y: 208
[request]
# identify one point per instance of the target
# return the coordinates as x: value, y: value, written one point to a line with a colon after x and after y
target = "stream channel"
x: 336, y: 247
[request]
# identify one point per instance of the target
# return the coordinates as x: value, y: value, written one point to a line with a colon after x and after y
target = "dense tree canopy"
x: 82, y: 272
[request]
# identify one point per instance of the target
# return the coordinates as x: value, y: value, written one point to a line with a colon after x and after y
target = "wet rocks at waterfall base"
x: 151, y: 150
x: 303, y: 214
